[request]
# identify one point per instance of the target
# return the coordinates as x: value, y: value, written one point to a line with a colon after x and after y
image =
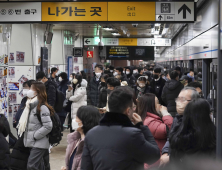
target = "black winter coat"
x: 102, y: 96
x: 51, y: 92
x: 20, y: 111
x: 157, y: 88
x: 170, y: 92
x: 131, y: 80
x: 147, y: 90
x: 63, y: 86
x: 117, y: 144
x: 94, y: 91
x: 4, y: 146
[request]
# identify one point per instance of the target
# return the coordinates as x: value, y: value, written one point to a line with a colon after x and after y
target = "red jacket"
x: 158, y: 129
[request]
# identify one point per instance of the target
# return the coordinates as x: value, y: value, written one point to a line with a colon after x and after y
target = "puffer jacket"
x: 118, y: 144
x: 4, y: 146
x: 79, y: 98
x: 35, y: 135
x: 102, y: 96
x: 131, y: 80
x: 73, y: 139
x: 51, y: 87
x: 159, y: 128
x: 170, y: 92
x: 94, y: 91
x: 157, y: 88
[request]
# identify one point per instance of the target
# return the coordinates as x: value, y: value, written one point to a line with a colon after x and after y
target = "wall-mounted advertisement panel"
x: 129, y: 53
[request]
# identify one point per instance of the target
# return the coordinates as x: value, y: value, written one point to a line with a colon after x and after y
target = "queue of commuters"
x: 122, y: 118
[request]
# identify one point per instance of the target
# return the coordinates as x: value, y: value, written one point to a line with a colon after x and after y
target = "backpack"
x: 55, y: 136
x: 60, y: 97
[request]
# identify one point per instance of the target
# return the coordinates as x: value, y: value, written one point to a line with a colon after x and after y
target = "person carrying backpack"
x: 36, y: 132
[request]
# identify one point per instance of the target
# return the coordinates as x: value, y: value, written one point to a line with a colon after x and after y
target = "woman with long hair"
x: 196, y: 135
x: 36, y: 124
x: 156, y: 117
x: 77, y: 94
x: 87, y: 117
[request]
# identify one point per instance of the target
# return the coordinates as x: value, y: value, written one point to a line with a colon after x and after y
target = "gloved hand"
x: 164, y: 111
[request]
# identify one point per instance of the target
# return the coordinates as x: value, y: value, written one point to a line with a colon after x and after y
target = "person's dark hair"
x: 120, y: 69
x: 174, y: 74
x: 111, y: 67
x: 146, y: 103
x: 166, y: 72
x: 177, y: 68
x: 99, y: 66
x: 79, y: 78
x: 83, y: 74
x: 196, y: 133
x: 195, y: 85
x: 146, y: 68
x: 107, y: 72
x: 89, y: 116
x: 157, y: 70
x: 42, y: 97
x: 28, y: 83
x: 191, y: 70
x: 140, y: 69
x: 54, y: 69
x: 63, y: 75
x: 105, y: 77
x: 120, y: 99
x: 135, y: 67
x: 73, y: 75
x: 40, y: 75
x: 114, y: 82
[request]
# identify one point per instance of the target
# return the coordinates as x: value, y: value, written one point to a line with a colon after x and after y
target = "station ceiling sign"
x: 97, y: 11
x: 162, y: 42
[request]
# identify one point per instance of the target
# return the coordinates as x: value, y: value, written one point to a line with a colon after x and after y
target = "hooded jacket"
x: 73, y: 139
x: 131, y: 80
x: 78, y: 98
x: 51, y: 87
x: 170, y: 92
x: 118, y: 144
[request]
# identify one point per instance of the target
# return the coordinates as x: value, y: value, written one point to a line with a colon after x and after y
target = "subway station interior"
x: 77, y: 35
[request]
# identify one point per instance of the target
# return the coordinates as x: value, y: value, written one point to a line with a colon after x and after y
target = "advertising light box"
x: 130, y: 53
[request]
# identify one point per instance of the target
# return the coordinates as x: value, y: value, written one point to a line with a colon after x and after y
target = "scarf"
x: 141, y: 91
x: 24, y: 118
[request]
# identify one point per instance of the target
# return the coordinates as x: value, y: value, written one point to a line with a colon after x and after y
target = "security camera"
x: 101, y: 44
x: 135, y: 25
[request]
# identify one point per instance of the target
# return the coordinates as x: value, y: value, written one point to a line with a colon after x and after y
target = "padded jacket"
x: 94, y: 91
x: 63, y: 86
x: 4, y: 146
x: 79, y: 98
x: 73, y: 139
x: 51, y: 87
x: 102, y: 96
x: 157, y: 88
x: 170, y: 92
x: 118, y: 144
x: 35, y: 135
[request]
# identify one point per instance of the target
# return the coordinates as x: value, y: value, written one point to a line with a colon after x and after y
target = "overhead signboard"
x: 97, y: 11
x: 175, y: 11
x: 20, y: 12
x: 129, y: 53
x: 162, y: 42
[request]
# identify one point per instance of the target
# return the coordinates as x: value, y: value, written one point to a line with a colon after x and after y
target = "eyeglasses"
x: 181, y: 99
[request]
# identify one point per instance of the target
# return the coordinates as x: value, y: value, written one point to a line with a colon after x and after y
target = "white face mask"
x: 75, y: 125
x: 164, y: 69
x: 31, y: 94
x: 57, y: 74
x: 98, y: 74
x: 24, y: 92
x: 70, y: 79
x: 75, y: 81
x: 111, y: 71
x: 135, y: 71
x: 127, y: 72
x: 141, y: 85
x: 60, y: 78
x: 115, y: 74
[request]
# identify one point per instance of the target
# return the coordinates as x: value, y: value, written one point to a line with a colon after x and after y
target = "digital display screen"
x: 130, y: 53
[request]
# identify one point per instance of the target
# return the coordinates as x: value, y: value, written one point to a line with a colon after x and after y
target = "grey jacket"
x: 36, y: 132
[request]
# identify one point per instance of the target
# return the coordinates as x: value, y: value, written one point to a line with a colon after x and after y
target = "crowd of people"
x: 119, y: 118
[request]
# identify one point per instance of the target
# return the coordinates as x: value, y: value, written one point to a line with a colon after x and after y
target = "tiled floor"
x: 57, y: 156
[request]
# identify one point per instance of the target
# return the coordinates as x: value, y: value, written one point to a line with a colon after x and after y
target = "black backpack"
x: 60, y: 98
x: 55, y: 136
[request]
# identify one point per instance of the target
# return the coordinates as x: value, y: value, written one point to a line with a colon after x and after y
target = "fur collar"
x: 111, y: 118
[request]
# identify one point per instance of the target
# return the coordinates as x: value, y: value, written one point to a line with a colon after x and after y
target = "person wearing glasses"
x: 186, y: 95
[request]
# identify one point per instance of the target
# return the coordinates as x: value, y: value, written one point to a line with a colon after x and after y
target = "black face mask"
x: 155, y: 76
x: 109, y: 91
x: 103, y: 84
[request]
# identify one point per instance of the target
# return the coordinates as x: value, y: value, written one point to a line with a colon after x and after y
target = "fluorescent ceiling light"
x: 116, y: 34
x: 108, y: 29
x: 157, y: 24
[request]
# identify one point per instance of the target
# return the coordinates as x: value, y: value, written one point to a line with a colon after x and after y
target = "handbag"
x: 67, y: 105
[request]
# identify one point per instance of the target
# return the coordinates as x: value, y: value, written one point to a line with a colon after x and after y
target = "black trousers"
x: 38, y: 159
